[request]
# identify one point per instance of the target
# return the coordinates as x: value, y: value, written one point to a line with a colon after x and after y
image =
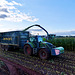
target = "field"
x: 67, y: 42
x: 63, y: 64
x: 60, y: 65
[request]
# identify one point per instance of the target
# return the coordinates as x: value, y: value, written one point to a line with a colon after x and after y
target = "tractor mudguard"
x: 29, y: 43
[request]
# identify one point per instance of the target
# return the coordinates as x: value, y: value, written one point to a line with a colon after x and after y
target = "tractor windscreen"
x: 32, y: 39
x: 40, y: 39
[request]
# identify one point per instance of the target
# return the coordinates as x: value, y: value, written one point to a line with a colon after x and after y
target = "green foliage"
x: 67, y: 42
x: 44, y: 39
x: 62, y: 73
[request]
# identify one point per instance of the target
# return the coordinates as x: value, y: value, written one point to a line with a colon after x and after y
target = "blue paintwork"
x: 61, y: 50
x: 53, y: 52
x: 17, y: 37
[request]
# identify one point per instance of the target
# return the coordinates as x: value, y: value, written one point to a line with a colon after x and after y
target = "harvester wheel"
x: 28, y: 50
x: 2, y: 47
x: 6, y: 48
x: 43, y: 53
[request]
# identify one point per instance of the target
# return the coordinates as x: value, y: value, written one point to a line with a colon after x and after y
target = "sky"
x: 54, y: 15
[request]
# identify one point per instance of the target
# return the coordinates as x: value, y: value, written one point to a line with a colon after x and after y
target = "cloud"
x: 66, y: 33
x: 9, y: 12
x: 4, y: 10
x: 3, y: 16
x: 1, y: 25
x: 36, y: 30
x: 15, y: 3
x: 5, y: 2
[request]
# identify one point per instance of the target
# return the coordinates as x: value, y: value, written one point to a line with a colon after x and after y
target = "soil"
x: 63, y: 64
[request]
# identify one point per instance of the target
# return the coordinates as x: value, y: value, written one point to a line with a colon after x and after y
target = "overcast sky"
x: 53, y: 15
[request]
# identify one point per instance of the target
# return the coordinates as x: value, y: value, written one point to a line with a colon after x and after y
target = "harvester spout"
x: 38, y: 26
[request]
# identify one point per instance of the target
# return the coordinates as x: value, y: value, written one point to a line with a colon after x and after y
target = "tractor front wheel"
x: 43, y: 53
x: 27, y: 50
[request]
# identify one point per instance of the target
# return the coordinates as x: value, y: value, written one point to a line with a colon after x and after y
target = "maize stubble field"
x: 60, y: 65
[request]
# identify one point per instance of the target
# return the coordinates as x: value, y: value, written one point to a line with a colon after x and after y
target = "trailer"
x: 13, y: 39
x: 32, y: 45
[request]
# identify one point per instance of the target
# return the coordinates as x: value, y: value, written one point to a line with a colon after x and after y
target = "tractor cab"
x: 36, y: 40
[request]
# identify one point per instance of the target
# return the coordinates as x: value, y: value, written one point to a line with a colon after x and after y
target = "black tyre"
x: 43, y: 53
x: 2, y: 47
x: 6, y: 48
x: 28, y: 50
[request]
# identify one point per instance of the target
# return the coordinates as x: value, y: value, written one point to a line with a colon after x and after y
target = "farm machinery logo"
x: 7, y: 38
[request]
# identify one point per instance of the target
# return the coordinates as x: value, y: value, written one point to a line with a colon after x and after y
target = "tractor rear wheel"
x: 43, y: 53
x: 28, y: 50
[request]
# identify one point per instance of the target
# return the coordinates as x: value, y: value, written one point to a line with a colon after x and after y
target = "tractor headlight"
x: 57, y: 52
